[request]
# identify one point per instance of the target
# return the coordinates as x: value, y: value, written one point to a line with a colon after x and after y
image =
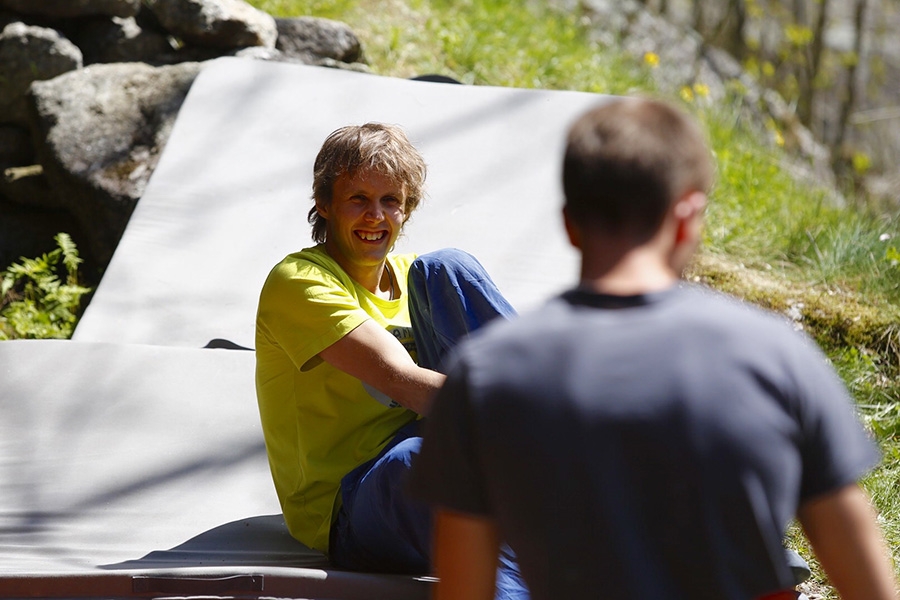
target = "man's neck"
x: 631, y: 272
x: 372, y: 277
x: 376, y: 279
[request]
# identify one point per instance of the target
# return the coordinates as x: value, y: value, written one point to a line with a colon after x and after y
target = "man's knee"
x: 444, y: 263
x: 387, y: 476
x: 402, y: 454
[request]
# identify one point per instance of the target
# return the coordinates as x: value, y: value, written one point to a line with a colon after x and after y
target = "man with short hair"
x: 639, y: 437
x: 339, y: 329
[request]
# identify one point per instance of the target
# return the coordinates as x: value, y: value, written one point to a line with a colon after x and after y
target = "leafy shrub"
x: 40, y: 297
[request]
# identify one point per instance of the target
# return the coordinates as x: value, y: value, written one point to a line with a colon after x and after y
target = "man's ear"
x: 688, y: 213
x: 322, y: 208
x: 572, y: 230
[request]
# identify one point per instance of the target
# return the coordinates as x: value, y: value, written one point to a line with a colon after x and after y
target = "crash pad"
x: 230, y: 195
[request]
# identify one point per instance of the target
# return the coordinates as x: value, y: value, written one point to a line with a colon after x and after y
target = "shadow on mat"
x: 261, y: 541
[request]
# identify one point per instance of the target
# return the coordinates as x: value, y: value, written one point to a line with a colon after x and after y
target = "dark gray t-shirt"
x: 647, y: 447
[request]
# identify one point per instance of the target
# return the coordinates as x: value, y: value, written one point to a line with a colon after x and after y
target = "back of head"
x: 373, y: 147
x: 628, y: 160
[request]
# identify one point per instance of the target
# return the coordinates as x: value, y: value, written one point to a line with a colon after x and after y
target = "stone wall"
x: 89, y: 91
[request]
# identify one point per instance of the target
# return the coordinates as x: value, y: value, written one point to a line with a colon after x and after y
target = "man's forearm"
x: 376, y: 358
x: 847, y: 541
x: 466, y: 548
x: 414, y: 388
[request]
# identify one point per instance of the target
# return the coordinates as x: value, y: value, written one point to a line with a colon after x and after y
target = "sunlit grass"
x: 480, y: 42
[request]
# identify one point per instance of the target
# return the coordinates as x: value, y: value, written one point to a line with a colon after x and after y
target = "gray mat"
x: 230, y: 195
x: 135, y: 467
x: 111, y: 451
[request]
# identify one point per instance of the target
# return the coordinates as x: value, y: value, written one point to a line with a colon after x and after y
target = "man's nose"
x: 374, y: 211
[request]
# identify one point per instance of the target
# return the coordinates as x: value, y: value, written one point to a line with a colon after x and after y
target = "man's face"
x: 363, y: 220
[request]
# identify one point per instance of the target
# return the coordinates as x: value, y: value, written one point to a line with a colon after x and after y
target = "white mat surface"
x: 230, y: 195
x: 111, y: 452
x: 132, y: 469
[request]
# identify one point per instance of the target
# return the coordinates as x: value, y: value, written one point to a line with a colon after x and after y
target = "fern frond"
x: 34, y: 302
x: 7, y: 282
x: 70, y: 257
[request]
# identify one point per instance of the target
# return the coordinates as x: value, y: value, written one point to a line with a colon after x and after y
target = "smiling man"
x: 349, y: 338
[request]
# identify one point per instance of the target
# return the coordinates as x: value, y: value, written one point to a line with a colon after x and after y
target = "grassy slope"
x: 771, y: 239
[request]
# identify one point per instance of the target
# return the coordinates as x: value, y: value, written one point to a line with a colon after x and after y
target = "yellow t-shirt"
x: 319, y: 423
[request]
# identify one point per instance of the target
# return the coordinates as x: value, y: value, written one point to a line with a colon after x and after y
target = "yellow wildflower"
x: 651, y: 58
x: 779, y: 139
x: 861, y: 162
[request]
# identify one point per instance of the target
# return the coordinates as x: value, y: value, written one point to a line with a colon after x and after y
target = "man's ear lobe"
x: 688, y: 212
x: 572, y: 230
x: 689, y: 205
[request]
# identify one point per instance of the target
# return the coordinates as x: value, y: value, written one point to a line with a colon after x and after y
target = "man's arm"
x: 375, y: 357
x: 845, y: 536
x: 466, y: 551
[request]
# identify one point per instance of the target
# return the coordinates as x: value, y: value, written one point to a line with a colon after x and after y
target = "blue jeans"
x: 379, y: 528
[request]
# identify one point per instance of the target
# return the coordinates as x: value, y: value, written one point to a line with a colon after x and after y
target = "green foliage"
x: 294, y: 8
x: 522, y: 44
x: 798, y: 36
x: 484, y: 42
x: 763, y: 214
x: 40, y: 297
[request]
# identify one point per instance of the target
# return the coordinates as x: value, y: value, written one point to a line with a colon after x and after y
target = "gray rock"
x: 74, y: 8
x: 356, y: 67
x: 723, y: 64
x: 119, y: 39
x: 28, y: 54
x: 260, y: 53
x: 216, y: 23
x: 99, y: 133
x: 885, y: 187
x: 678, y: 48
x: 311, y: 39
x: 273, y: 54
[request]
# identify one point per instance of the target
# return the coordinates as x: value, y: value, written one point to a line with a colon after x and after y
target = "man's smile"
x: 370, y: 236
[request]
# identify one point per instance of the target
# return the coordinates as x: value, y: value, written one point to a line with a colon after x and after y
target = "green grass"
x: 480, y: 42
x: 766, y: 217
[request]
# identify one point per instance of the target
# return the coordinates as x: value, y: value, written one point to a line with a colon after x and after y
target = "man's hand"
x: 466, y: 551
x: 845, y: 536
x: 375, y: 357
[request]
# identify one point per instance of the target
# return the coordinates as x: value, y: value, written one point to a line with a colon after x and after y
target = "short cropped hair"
x: 373, y: 147
x: 627, y: 161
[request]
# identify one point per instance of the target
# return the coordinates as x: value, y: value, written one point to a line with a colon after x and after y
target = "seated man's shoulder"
x: 312, y: 261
